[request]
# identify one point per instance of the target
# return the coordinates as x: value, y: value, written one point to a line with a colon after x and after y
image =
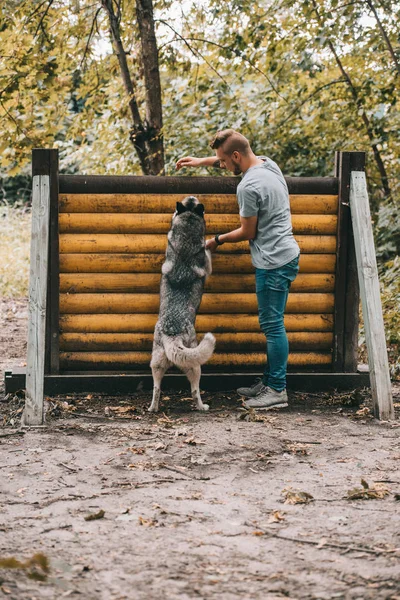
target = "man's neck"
x: 251, y: 161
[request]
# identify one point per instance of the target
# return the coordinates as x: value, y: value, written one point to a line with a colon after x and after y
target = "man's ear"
x: 180, y: 208
x: 199, y: 210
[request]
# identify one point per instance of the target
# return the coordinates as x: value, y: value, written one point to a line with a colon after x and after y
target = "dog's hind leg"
x: 193, y: 375
x: 159, y: 364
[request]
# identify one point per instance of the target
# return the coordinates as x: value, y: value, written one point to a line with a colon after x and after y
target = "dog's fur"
x: 187, y: 264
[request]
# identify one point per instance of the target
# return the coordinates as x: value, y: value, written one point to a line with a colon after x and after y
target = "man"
x: 265, y: 221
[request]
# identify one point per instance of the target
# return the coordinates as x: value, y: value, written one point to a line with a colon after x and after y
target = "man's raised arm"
x: 191, y: 161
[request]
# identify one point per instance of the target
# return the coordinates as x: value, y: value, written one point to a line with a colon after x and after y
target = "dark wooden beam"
x: 127, y: 383
x: 107, y: 184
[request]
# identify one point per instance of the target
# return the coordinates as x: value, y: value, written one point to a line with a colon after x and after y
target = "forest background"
x: 129, y: 86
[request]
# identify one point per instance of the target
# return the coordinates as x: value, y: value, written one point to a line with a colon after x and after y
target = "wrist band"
x: 217, y: 240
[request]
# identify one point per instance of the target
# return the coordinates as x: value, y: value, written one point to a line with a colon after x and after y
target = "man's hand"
x: 188, y: 161
x: 211, y: 245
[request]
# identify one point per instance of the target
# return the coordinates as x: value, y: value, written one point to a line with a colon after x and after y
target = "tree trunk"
x: 146, y: 136
x: 145, y: 19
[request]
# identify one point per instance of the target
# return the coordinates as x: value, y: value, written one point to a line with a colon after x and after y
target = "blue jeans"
x: 272, y: 288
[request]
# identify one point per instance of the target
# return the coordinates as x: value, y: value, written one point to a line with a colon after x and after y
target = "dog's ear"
x: 180, y: 208
x: 199, y: 210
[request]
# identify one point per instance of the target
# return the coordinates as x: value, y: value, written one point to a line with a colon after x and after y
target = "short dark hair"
x: 232, y: 141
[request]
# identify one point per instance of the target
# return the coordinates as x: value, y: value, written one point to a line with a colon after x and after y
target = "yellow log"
x: 151, y: 263
x: 165, y: 203
x: 211, y: 303
x: 160, y: 223
x: 226, y: 342
x: 133, y: 360
x: 157, y: 243
x: 150, y: 282
x: 119, y: 323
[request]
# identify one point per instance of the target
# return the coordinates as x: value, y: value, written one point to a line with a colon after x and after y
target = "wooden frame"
x: 45, y: 163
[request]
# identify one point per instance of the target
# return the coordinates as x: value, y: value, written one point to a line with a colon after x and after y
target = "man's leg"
x: 272, y: 289
x: 272, y: 293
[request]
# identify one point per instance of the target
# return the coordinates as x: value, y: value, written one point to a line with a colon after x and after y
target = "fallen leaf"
x: 148, y: 522
x: 95, y: 516
x: 135, y: 450
x: 276, y: 517
x: 258, y: 533
x: 376, y: 491
x: 296, y: 496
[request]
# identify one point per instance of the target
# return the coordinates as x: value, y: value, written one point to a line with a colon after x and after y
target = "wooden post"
x: 342, y: 171
x: 351, y: 322
x: 40, y: 318
x: 370, y: 297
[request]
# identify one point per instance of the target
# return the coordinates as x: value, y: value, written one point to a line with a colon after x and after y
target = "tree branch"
x: 314, y: 93
x: 94, y: 25
x: 385, y: 36
x: 359, y: 104
x: 239, y: 54
x: 194, y: 51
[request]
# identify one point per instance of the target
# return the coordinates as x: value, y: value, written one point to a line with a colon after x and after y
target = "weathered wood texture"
x: 84, y: 283
x: 83, y: 243
x: 106, y: 184
x: 227, y: 342
x: 151, y: 263
x: 112, y: 247
x: 132, y: 360
x: 117, y: 323
x: 215, y: 204
x: 370, y: 297
x: 211, y: 303
x: 115, y: 223
x: 35, y: 367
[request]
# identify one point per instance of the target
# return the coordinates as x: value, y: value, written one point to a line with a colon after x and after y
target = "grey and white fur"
x: 187, y: 264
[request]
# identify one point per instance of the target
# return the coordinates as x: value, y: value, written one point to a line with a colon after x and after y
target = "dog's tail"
x: 184, y: 357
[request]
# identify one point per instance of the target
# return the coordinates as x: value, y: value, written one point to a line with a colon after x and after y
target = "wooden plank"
x: 112, y: 323
x: 370, y: 297
x: 73, y: 283
x: 161, y: 223
x: 126, y: 184
x: 211, y: 303
x: 134, y: 360
x: 151, y: 263
x: 72, y: 243
x: 342, y: 166
x: 109, y: 383
x: 226, y: 342
x: 33, y: 413
x: 352, y: 306
x: 166, y: 203
x: 52, y: 339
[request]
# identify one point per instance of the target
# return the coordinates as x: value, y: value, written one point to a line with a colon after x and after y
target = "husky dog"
x: 187, y: 264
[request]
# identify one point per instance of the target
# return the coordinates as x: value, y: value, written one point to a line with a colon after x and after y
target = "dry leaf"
x: 147, y: 522
x: 259, y: 533
x: 377, y: 491
x: 192, y: 441
x: 135, y: 450
x: 296, y: 497
x: 298, y: 449
x: 276, y: 517
x: 95, y: 516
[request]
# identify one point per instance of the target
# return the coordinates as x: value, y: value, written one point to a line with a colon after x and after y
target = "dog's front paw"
x: 203, y: 407
x: 152, y: 409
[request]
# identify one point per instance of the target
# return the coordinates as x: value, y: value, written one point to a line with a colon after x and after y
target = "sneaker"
x: 253, y: 390
x: 268, y: 398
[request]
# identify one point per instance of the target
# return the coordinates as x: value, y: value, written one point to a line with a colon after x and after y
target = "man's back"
x: 263, y: 192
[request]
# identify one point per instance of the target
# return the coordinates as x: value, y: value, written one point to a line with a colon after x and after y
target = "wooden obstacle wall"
x: 112, y: 240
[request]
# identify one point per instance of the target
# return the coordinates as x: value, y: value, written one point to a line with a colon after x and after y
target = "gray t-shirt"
x: 263, y: 192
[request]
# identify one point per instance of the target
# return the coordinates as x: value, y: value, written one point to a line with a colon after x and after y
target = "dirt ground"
x: 227, y: 504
